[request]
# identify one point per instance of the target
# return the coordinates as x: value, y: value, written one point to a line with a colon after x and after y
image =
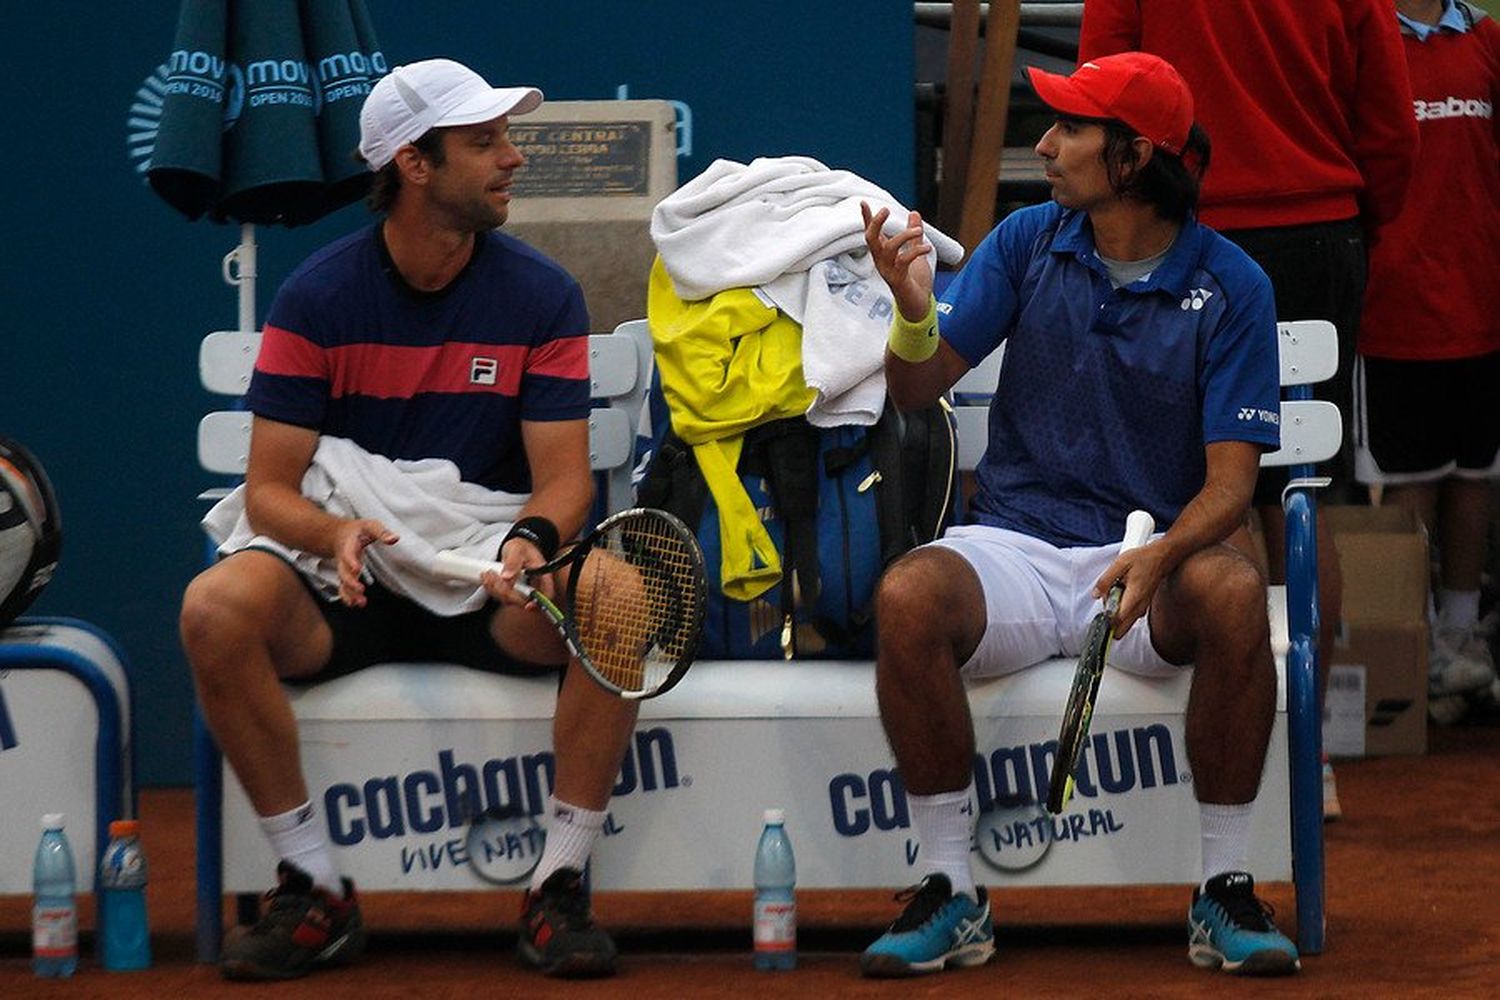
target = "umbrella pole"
x: 239, y: 271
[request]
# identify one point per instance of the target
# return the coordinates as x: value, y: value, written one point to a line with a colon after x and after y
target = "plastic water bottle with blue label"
x: 54, y: 911
x: 122, y: 899
x: 775, y: 899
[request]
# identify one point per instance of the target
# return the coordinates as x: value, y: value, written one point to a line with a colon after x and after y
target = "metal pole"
x: 239, y: 271
x: 1064, y: 15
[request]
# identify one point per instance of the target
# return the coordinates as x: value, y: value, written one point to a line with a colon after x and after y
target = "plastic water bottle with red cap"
x: 775, y: 900
x: 122, y: 899
x: 54, y: 911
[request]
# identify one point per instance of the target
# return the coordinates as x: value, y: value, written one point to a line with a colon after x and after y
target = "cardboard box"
x: 1379, y: 676
x: 1383, y: 552
x: 1381, y: 646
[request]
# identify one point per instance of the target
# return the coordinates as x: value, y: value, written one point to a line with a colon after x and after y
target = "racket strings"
x: 632, y: 608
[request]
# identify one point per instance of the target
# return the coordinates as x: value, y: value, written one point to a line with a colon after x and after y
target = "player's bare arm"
x: 562, y: 488
x: 1215, y: 514
x: 903, y: 263
x: 279, y: 457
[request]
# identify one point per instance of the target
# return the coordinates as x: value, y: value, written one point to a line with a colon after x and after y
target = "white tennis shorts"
x: 1038, y: 602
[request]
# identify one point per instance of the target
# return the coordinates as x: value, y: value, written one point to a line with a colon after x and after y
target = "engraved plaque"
x: 583, y: 159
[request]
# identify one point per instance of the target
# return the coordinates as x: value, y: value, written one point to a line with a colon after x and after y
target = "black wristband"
x: 538, y: 531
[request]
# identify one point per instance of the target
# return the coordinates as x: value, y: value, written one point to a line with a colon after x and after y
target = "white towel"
x: 739, y: 226
x: 845, y: 311
x: 424, y: 502
x: 791, y: 228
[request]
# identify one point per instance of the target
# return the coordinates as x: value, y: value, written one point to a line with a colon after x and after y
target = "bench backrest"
x: 619, y: 372
x: 1311, y: 430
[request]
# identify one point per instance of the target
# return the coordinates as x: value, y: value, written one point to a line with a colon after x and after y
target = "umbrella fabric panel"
x: 188, y: 152
x: 260, y: 119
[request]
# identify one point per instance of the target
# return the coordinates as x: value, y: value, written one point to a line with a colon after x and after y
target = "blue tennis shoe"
x: 937, y: 929
x: 1230, y: 929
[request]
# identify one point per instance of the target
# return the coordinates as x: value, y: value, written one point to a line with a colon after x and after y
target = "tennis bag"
x: 30, y: 530
x: 839, y: 504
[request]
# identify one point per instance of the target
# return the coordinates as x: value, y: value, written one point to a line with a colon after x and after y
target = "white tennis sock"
x: 1226, y: 837
x: 298, y: 837
x: 945, y: 829
x: 571, y: 832
x: 1458, y: 609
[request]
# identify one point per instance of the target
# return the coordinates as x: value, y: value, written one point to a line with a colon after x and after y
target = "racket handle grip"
x: 449, y: 565
x: 1138, y: 527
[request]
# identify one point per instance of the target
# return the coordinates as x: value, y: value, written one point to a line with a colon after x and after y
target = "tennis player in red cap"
x: 1140, y: 373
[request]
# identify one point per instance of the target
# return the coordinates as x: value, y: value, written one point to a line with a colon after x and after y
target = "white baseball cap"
x: 410, y: 100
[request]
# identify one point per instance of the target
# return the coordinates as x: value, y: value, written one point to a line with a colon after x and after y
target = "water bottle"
x: 775, y: 904
x: 122, y: 899
x: 54, y: 911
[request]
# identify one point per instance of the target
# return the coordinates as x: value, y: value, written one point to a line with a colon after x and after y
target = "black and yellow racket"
x: 633, y: 610
x: 1079, y: 711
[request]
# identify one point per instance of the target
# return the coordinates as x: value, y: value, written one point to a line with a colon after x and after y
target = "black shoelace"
x: 922, y: 901
x: 1246, y: 911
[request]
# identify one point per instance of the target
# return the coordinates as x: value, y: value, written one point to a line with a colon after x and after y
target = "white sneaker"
x: 1447, y: 709
x: 1331, y: 808
x: 1460, y: 661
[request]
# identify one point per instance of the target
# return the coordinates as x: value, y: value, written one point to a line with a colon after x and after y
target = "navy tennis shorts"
x: 393, y: 629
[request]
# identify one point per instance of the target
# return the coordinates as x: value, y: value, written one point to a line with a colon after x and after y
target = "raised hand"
x: 902, y: 260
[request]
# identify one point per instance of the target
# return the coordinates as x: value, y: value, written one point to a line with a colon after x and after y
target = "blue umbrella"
x: 254, y: 116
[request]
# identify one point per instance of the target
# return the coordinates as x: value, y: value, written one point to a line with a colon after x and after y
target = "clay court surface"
x: 1414, y: 910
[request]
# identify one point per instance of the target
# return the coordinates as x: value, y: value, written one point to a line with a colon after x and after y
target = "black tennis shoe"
x: 305, y: 928
x: 558, y: 934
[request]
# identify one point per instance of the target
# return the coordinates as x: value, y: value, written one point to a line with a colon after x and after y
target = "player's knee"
x: 1238, y: 601
x: 212, y: 617
x: 904, y: 597
x: 922, y: 598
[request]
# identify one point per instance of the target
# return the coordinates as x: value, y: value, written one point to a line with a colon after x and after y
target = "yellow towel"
x: 728, y: 363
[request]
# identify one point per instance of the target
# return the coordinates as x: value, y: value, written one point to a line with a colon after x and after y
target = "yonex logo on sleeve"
x: 1255, y: 413
x: 945, y: 308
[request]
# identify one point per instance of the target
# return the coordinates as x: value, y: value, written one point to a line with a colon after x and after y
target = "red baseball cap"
x: 1137, y: 88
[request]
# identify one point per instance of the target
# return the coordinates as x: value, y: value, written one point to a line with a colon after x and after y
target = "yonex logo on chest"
x: 1196, y: 299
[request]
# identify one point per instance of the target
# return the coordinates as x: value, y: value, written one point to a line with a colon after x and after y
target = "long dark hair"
x: 1169, y: 182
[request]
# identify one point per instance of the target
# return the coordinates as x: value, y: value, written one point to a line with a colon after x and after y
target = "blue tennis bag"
x: 839, y: 504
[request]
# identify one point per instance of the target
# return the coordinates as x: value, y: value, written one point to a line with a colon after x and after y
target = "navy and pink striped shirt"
x: 350, y: 350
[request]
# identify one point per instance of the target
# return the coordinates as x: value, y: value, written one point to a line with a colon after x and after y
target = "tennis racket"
x: 1080, y: 708
x: 633, y: 610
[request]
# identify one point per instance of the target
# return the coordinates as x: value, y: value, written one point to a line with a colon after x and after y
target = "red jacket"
x: 1306, y: 102
x: 1434, y: 290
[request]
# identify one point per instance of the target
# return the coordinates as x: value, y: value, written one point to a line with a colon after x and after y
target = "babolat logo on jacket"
x: 1453, y: 107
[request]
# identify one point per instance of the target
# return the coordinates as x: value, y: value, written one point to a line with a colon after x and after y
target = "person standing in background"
x: 1429, y: 341
x: 1314, y: 148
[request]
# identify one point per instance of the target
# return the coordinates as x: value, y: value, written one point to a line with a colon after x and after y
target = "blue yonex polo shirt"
x: 1108, y: 396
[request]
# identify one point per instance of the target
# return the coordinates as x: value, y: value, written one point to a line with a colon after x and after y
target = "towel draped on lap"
x: 424, y: 502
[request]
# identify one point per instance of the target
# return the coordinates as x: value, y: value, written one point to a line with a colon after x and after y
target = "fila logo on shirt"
x: 1196, y: 299
x: 1453, y: 107
x: 483, y: 371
